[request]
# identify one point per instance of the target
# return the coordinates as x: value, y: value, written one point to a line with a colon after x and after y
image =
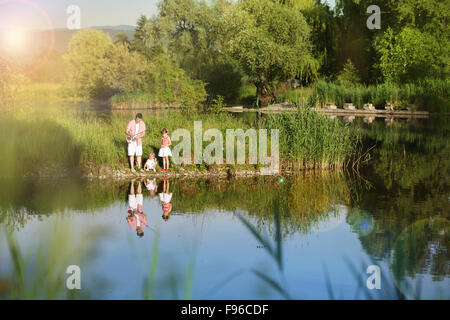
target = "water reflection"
x: 151, y: 186
x: 393, y: 213
x: 136, y: 218
x: 166, y: 197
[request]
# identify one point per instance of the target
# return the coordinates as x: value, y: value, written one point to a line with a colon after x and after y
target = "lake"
x: 306, y: 236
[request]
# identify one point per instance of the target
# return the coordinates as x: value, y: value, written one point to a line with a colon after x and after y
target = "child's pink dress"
x: 164, y: 151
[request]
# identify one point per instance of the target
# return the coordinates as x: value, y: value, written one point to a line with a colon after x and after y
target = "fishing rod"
x: 146, y: 225
x: 129, y: 138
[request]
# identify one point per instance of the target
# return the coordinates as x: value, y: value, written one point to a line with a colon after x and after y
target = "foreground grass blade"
x: 355, y: 273
x: 153, y: 267
x: 221, y: 284
x: 273, y: 284
x: 264, y: 242
x: 328, y: 282
x: 278, y: 236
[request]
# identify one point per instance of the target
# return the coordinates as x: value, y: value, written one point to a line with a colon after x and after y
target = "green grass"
x: 297, y: 95
x: 247, y: 95
x: 430, y: 94
x: 311, y: 140
x: 89, y: 141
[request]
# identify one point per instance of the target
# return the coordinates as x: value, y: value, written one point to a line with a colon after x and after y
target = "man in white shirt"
x: 135, y: 132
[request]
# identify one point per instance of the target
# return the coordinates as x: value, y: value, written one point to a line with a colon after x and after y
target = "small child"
x: 151, y: 163
x: 165, y: 152
x: 151, y: 186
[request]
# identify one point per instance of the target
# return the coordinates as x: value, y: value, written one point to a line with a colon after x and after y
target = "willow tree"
x: 188, y: 31
x: 271, y: 43
x: 85, y: 58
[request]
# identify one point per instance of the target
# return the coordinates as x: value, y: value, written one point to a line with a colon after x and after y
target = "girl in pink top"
x: 165, y: 152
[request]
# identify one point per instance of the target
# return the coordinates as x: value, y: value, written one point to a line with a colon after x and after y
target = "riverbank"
x: 222, y: 171
x: 50, y: 140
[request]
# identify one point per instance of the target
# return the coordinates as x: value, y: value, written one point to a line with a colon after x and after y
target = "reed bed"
x: 309, y: 140
x: 429, y: 94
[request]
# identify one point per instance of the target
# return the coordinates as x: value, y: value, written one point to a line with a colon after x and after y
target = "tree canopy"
x: 270, y: 41
x: 213, y: 48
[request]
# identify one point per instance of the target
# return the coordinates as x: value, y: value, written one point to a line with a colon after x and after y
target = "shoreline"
x: 186, y: 173
x: 283, y: 107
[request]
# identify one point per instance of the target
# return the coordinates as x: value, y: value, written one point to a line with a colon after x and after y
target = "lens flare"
x: 14, y: 40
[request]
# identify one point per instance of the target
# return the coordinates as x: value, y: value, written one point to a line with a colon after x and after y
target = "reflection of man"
x: 135, y: 131
x: 136, y: 218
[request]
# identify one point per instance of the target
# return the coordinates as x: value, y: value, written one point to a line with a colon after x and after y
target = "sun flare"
x: 14, y: 40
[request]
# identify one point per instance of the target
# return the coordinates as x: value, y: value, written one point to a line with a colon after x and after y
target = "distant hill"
x: 41, y: 39
x: 122, y: 27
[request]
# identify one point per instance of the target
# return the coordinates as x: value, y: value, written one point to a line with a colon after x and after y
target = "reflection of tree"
x: 361, y: 222
x: 21, y: 199
x: 411, y: 167
x: 422, y: 248
x: 312, y: 198
x: 304, y: 201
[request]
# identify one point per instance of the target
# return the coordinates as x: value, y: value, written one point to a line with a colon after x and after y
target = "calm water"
x: 329, y: 229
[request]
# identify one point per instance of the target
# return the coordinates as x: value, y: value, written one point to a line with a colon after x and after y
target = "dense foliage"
x: 193, y: 52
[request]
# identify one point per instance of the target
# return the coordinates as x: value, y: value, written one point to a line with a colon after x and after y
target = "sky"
x: 20, y: 14
x: 16, y: 14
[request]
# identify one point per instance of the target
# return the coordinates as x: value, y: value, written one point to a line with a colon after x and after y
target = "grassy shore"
x: 50, y: 140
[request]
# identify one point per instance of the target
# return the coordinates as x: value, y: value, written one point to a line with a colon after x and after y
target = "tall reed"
x: 429, y: 94
x: 311, y: 140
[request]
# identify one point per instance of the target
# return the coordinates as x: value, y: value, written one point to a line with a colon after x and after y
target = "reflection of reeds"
x: 275, y: 250
x: 40, y: 273
x: 148, y: 288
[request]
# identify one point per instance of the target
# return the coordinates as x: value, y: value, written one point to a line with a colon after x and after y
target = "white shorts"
x: 134, y: 200
x: 165, y: 152
x: 134, y: 149
x: 165, y: 197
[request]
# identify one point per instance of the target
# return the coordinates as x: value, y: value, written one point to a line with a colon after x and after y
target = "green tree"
x: 349, y: 75
x: 171, y: 83
x: 415, y: 45
x: 138, y: 42
x: 99, y: 68
x: 86, y: 58
x: 189, y: 32
x: 271, y: 43
x: 127, y: 71
x: 122, y: 38
x: 324, y: 36
x: 407, y: 56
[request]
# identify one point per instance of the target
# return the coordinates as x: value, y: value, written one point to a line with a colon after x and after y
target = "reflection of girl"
x: 165, y: 197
